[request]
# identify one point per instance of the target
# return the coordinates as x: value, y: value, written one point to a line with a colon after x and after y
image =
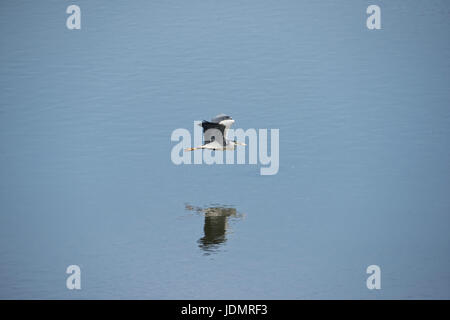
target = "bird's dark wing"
x: 213, y: 132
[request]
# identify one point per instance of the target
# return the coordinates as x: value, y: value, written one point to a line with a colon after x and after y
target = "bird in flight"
x: 215, y: 133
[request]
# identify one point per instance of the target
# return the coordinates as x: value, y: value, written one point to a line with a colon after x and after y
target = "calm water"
x: 86, y: 176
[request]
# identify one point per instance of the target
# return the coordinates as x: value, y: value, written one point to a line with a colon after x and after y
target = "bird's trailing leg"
x: 192, y: 149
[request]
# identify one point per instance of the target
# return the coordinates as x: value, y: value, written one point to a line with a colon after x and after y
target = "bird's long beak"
x: 240, y: 143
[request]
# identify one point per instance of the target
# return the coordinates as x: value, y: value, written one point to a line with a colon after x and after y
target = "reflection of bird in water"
x: 215, y: 227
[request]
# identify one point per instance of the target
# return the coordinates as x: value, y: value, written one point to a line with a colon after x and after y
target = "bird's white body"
x: 230, y: 145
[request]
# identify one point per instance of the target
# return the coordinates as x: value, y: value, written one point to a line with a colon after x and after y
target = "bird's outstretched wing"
x: 213, y: 132
x: 219, y: 118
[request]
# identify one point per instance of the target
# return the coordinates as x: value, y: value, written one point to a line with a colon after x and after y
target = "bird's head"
x: 239, y: 143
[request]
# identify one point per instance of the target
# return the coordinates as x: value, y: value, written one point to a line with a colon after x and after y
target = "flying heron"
x: 215, y: 133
